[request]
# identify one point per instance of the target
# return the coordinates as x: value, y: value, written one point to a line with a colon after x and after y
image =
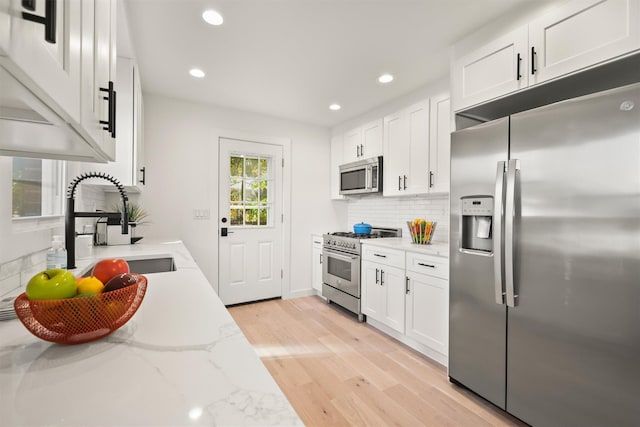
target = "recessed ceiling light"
x: 212, y: 17
x: 385, y: 78
x: 334, y: 107
x: 196, y: 72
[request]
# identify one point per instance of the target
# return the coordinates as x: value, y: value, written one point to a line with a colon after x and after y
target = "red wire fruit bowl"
x: 81, y: 319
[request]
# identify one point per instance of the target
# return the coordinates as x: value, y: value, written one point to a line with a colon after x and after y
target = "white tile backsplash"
x: 396, y: 211
x: 15, y: 274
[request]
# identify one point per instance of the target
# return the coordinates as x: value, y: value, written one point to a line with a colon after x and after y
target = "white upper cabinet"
x: 55, y: 57
x: 352, y: 142
x: 99, y: 71
x: 497, y: 68
x: 128, y: 167
x: 566, y: 39
x: 363, y: 142
x: 440, y: 144
x: 46, y: 53
x: 396, y: 151
x: 406, y: 151
x: 371, y: 139
x: 581, y: 34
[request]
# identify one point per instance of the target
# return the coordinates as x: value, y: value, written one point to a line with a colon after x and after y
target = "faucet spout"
x: 71, y: 214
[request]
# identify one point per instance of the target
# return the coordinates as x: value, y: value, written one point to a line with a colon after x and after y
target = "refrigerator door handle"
x: 497, y: 233
x: 509, y: 214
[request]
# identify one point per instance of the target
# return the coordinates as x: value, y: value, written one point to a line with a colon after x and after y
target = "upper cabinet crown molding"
x: 569, y: 38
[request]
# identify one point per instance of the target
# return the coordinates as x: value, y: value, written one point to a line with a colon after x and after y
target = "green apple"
x: 52, y: 284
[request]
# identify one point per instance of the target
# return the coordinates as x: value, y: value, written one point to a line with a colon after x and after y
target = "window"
x: 37, y: 188
x: 250, y: 183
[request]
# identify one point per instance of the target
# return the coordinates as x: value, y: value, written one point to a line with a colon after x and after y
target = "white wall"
x: 181, y: 156
x: 431, y: 89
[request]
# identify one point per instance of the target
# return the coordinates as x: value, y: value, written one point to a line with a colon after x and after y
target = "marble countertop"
x: 405, y: 244
x: 181, y: 360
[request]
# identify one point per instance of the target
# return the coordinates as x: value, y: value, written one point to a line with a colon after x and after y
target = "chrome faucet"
x: 71, y: 214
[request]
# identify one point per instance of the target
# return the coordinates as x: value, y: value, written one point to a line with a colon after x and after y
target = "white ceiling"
x: 292, y: 58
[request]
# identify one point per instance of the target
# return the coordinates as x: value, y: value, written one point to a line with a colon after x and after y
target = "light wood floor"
x: 338, y: 372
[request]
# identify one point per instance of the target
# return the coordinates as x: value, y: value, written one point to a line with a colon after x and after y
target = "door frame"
x: 285, y: 143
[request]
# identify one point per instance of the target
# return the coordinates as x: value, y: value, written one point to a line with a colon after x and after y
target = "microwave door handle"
x: 367, y: 179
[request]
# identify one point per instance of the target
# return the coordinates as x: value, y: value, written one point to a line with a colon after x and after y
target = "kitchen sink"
x: 152, y: 265
x: 145, y: 265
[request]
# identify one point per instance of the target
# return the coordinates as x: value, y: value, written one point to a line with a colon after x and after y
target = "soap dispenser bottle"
x: 57, y: 254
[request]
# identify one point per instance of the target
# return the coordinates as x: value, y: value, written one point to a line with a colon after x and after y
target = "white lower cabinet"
x: 316, y: 262
x: 427, y: 301
x: 383, y: 286
x: 406, y: 294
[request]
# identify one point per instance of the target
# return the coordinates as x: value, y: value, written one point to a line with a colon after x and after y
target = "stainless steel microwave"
x: 361, y: 177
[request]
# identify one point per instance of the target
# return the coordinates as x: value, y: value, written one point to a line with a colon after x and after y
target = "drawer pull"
x: 426, y: 265
x: 381, y: 256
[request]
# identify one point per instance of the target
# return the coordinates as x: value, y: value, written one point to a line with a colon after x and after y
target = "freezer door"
x: 477, y: 323
x: 574, y: 336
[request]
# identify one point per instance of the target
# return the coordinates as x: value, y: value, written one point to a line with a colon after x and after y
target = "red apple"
x: 105, y: 269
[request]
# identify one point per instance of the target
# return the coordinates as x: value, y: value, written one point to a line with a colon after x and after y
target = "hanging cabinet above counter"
x: 57, y: 99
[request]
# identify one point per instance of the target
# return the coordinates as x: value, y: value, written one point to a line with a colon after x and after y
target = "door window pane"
x: 236, y: 216
x: 250, y: 179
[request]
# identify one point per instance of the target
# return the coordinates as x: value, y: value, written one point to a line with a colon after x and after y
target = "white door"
x: 250, y: 221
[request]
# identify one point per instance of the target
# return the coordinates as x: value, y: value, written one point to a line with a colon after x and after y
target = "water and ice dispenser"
x: 476, y: 217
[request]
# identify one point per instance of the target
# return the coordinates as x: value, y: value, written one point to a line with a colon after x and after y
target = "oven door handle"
x: 328, y: 254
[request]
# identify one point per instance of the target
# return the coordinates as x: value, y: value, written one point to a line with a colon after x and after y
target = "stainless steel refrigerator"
x: 545, y: 261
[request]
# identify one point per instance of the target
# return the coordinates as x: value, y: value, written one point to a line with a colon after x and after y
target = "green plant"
x: 135, y: 212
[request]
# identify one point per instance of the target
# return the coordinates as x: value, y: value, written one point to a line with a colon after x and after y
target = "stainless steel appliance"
x: 545, y: 261
x: 361, y: 177
x: 341, y: 267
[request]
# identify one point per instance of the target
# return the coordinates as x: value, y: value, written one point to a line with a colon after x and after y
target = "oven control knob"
x: 353, y: 246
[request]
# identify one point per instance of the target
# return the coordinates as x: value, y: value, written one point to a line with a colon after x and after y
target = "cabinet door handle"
x: 49, y: 19
x: 533, y: 60
x: 113, y: 114
x: 377, y: 279
x: 405, y: 182
x: 361, y: 150
x: 399, y: 183
x: 406, y: 285
x: 29, y: 4
x: 320, y: 258
x: 430, y: 179
x: 381, y: 277
x: 381, y: 256
x: 357, y: 151
x: 144, y: 175
x: 518, y: 61
x: 426, y: 265
x: 111, y: 121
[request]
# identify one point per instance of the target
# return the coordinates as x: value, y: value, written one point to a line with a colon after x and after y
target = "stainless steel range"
x: 341, y: 266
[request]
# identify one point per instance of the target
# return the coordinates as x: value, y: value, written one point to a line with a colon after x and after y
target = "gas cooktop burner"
x: 354, y: 235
